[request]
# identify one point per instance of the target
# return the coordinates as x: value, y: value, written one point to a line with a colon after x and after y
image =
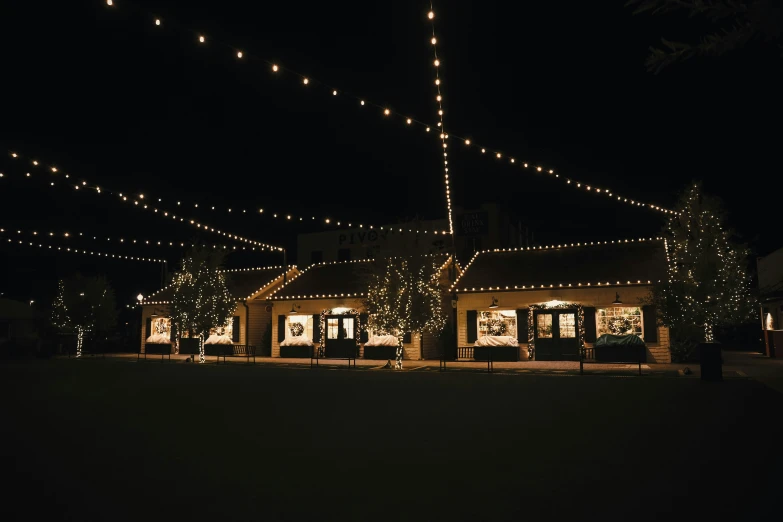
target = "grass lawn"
x: 118, y: 440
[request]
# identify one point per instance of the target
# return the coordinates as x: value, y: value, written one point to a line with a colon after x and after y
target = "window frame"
x: 480, y: 315
x: 598, y: 329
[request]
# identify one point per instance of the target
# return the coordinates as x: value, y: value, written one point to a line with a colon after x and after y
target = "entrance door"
x: 341, y: 336
x: 556, y: 335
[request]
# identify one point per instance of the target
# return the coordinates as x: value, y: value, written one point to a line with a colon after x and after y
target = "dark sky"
x: 108, y: 96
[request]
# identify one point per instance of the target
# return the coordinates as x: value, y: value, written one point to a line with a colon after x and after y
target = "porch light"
x: 293, y: 309
x: 494, y: 302
x: 617, y: 299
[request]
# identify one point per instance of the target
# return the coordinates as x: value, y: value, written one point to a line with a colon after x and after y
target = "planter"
x: 296, y: 352
x: 498, y: 353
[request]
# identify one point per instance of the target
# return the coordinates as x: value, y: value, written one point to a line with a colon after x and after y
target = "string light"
x: 157, y: 21
x: 275, y: 68
x: 239, y: 54
x: 439, y: 99
x: 86, y: 252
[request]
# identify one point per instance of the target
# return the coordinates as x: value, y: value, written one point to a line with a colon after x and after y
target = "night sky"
x: 109, y: 97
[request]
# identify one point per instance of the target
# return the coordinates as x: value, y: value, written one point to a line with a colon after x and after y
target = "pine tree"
x: 201, y: 298
x: 83, y: 305
x: 405, y: 295
x: 708, y: 285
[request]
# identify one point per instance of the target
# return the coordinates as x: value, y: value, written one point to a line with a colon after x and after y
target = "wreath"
x: 297, y: 329
x: 497, y: 327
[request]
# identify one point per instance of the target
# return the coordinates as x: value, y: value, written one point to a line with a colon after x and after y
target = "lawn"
x: 119, y: 440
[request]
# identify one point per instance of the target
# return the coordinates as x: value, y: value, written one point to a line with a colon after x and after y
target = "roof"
x: 242, y: 283
x: 619, y: 262
x: 335, y: 279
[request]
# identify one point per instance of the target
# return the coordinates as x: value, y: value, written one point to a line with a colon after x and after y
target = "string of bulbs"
x: 86, y: 252
x: 404, y: 228
x: 140, y: 201
x: 410, y: 121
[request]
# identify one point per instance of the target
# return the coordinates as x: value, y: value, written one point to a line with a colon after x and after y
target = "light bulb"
x: 157, y: 21
x: 430, y: 15
x: 274, y: 68
x: 361, y: 102
x: 437, y: 82
x: 437, y: 63
x: 305, y: 81
x: 409, y: 121
x: 428, y: 129
x: 109, y: 2
x: 201, y: 39
x: 239, y: 54
x: 334, y: 93
x: 498, y: 154
x: 386, y: 112
x: 483, y: 151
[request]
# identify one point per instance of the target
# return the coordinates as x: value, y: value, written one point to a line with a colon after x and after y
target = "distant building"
x: 770, y: 272
x: 489, y: 226
x: 19, y: 322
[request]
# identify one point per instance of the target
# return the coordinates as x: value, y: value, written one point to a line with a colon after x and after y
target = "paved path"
x: 737, y: 365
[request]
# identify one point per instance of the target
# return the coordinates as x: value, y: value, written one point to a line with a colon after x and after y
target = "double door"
x: 556, y: 335
x: 341, y: 336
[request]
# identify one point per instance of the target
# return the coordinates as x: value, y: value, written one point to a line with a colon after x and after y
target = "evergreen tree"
x: 201, y: 298
x: 405, y: 295
x: 83, y: 305
x: 708, y: 285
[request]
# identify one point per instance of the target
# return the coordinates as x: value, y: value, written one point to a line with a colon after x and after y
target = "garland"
x: 531, y: 332
x: 324, y: 313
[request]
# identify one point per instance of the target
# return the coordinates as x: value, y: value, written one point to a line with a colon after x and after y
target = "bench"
x: 613, y: 355
x: 231, y: 350
x: 346, y: 355
x: 485, y: 353
x: 155, y: 349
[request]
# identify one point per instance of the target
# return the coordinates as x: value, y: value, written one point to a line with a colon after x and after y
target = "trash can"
x: 711, y: 362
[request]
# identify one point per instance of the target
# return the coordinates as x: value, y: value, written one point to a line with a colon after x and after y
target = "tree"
x: 708, y: 285
x: 83, y: 305
x: 405, y: 295
x: 736, y: 23
x: 201, y: 298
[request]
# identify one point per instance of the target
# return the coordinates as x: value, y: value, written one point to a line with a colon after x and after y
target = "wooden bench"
x: 231, y: 350
x: 348, y: 355
x: 613, y: 355
x: 155, y: 349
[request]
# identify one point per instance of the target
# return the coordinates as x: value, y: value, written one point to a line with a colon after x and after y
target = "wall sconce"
x: 494, y: 302
x: 616, y: 299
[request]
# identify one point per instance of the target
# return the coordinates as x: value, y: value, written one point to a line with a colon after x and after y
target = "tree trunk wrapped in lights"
x: 707, y: 285
x: 405, y: 295
x: 201, y: 299
x: 83, y: 305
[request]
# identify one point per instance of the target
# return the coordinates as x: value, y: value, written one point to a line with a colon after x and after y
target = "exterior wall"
x: 595, y: 296
x: 770, y: 270
x: 258, y: 323
x: 364, y: 243
x: 148, y: 310
x: 411, y: 350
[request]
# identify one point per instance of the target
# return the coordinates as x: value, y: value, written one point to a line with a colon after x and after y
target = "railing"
x: 465, y: 352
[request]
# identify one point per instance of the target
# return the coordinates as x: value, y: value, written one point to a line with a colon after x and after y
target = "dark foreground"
x: 118, y: 440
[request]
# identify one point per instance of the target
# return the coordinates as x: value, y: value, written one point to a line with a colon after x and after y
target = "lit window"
x: 620, y: 320
x: 348, y: 328
x: 497, y: 322
x: 567, y: 324
x: 332, y: 328
x: 160, y: 330
x: 544, y: 326
x: 299, y: 326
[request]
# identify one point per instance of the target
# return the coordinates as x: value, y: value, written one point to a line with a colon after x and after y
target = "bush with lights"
x: 84, y: 305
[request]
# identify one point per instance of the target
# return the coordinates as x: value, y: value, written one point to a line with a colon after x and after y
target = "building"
x: 770, y: 273
x: 546, y: 303
x: 489, y: 226
x: 250, y: 322
x: 19, y: 322
x: 323, y: 307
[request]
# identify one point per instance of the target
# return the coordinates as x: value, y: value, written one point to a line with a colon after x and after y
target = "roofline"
x: 553, y: 247
x: 559, y: 286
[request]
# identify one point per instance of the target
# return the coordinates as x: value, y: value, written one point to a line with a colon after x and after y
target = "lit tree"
x: 737, y: 23
x: 201, y: 299
x: 708, y: 285
x: 405, y: 295
x: 84, y: 304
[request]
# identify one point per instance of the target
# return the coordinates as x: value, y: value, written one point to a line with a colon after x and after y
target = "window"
x: 332, y: 325
x: 544, y: 326
x: 567, y: 324
x: 299, y: 325
x: 316, y: 256
x: 222, y: 331
x: 344, y: 254
x: 620, y: 320
x: 497, y: 322
x: 348, y: 328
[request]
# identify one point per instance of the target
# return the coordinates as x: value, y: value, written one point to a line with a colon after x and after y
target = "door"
x: 341, y: 336
x: 556, y: 335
